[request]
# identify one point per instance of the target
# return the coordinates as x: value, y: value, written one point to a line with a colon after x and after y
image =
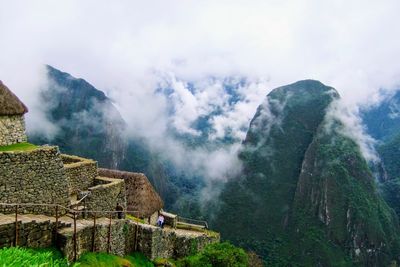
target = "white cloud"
x: 351, y: 128
x: 126, y: 48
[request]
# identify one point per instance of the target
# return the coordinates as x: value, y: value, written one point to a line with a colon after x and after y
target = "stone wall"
x: 121, y: 242
x: 153, y: 218
x: 80, y: 173
x: 36, y: 176
x: 128, y: 236
x: 33, y: 234
x: 167, y: 243
x: 12, y: 130
x: 106, y: 195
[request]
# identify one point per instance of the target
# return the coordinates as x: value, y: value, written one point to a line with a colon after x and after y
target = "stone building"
x: 12, y: 123
x: 42, y: 175
x: 32, y: 178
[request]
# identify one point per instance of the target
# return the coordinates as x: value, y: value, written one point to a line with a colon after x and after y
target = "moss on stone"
x: 18, y: 147
x: 135, y: 219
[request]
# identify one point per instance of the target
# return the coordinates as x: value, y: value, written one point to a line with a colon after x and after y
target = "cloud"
x: 352, y: 128
x: 129, y: 48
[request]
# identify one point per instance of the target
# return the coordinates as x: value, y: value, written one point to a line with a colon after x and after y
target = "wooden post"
x: 109, y: 235
x: 16, y: 226
x: 94, y: 233
x: 74, y: 236
x: 136, y: 237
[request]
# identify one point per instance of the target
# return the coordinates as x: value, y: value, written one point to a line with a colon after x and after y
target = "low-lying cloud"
x: 352, y: 127
x: 133, y: 49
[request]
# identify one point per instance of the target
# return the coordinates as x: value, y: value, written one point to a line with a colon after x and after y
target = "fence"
x: 73, y: 214
x: 199, y: 223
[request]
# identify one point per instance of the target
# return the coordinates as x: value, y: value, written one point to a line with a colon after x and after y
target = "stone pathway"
x: 24, y: 218
x: 80, y: 223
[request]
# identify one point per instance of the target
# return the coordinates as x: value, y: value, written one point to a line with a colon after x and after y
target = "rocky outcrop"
x: 89, y: 124
x: 306, y: 194
x: 336, y: 188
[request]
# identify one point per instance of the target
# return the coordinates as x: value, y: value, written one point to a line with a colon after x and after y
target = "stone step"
x: 79, y: 208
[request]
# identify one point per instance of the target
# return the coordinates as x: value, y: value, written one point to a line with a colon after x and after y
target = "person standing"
x: 119, y: 210
x: 160, y: 221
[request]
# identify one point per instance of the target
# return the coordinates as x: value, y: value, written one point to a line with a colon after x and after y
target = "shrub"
x: 217, y: 254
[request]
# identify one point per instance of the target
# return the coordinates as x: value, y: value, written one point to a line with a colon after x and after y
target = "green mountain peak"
x: 306, y: 194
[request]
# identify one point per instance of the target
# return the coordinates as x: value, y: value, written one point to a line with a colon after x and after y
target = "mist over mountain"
x: 299, y: 178
x: 182, y: 91
x: 382, y: 121
x: 86, y: 120
x: 306, y: 195
x: 87, y: 123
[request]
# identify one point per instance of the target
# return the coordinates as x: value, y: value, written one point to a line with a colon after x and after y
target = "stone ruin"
x: 42, y: 175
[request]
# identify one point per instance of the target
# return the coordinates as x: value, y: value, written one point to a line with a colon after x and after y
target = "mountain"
x: 90, y: 126
x: 382, y: 122
x: 306, y: 196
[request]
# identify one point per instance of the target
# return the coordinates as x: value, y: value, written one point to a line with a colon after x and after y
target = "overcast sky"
x: 126, y: 48
x: 351, y: 45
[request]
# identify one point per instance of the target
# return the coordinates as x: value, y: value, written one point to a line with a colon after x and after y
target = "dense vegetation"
x: 306, y: 196
x: 218, y: 254
x: 383, y: 123
x: 86, y: 119
x: 275, y: 208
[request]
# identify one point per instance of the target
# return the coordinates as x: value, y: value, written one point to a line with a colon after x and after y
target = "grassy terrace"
x: 217, y: 254
x: 18, y: 147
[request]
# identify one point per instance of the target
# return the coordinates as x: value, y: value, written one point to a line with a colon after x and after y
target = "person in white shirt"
x: 160, y: 221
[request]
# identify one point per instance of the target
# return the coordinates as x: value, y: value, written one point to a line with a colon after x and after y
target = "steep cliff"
x: 306, y: 195
x: 89, y: 124
x: 383, y: 123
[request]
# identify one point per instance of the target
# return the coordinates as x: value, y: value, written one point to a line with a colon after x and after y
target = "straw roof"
x: 10, y: 103
x: 140, y: 194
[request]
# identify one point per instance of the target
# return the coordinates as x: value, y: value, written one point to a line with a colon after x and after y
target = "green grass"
x: 108, y: 260
x: 211, y: 233
x: 135, y: 219
x: 18, y: 147
x: 217, y: 254
x: 16, y: 257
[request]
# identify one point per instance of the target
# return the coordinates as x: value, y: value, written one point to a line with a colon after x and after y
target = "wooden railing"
x: 60, y: 210
x: 194, y: 222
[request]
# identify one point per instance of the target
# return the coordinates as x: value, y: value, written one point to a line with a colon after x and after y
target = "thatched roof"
x: 140, y: 194
x: 10, y: 103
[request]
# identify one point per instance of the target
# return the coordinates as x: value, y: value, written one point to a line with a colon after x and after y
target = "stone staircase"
x: 78, y: 205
